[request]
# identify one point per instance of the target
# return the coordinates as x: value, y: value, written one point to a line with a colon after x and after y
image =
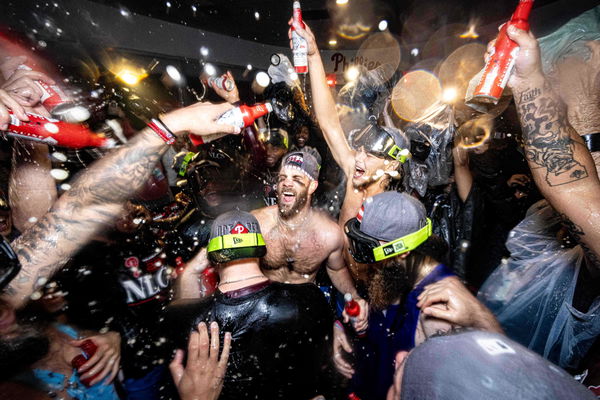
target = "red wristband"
x: 161, y: 130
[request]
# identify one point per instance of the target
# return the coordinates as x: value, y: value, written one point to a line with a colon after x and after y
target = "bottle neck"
x: 522, y: 12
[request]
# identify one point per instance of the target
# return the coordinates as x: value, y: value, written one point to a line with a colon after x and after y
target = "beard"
x: 288, y: 210
x: 21, y: 348
x: 388, y: 284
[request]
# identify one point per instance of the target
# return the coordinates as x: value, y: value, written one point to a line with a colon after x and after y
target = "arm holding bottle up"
x: 324, y: 105
x: 561, y: 164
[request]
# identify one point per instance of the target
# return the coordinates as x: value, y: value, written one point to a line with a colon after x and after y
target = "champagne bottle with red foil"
x: 241, y: 117
x: 498, y: 68
x: 352, y: 308
x: 52, y: 95
x: 88, y: 349
x: 56, y: 133
x: 300, y: 47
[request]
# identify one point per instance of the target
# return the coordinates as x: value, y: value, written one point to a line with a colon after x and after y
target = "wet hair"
x: 394, y: 278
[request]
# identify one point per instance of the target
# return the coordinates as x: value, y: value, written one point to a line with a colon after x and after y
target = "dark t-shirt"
x: 280, y: 338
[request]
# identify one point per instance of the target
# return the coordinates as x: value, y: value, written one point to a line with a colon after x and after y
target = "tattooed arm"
x: 97, y: 197
x: 561, y: 165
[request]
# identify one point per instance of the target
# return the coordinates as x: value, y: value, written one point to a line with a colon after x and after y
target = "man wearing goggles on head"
x: 392, y: 232
x: 371, y: 158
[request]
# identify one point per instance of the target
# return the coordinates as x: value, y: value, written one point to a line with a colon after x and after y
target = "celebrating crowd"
x: 294, y: 259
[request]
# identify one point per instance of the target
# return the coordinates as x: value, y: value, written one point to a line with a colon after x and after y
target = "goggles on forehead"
x: 378, y: 142
x: 9, y: 263
x: 275, y: 137
x: 366, y: 249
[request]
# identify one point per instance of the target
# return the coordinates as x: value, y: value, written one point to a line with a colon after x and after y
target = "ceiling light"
x: 352, y: 74
x: 341, y: 2
x: 383, y: 24
x: 263, y: 79
x: 449, y: 95
x: 332, y: 42
x: 210, y: 69
x: 173, y: 73
x: 203, y: 51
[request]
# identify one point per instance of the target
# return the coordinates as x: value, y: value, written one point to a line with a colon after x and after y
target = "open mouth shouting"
x: 358, y: 172
x: 287, y: 197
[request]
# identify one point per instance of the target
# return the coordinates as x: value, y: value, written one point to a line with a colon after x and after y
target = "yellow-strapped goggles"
x: 403, y: 244
x: 234, y: 241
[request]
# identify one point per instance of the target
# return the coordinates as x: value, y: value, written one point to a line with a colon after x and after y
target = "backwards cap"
x: 304, y: 162
x: 235, y: 235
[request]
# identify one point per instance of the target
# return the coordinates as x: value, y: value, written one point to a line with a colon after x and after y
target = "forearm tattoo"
x: 93, y: 202
x: 547, y: 136
x: 576, y: 232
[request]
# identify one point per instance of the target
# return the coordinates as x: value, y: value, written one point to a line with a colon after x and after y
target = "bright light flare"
x: 341, y: 2
x: 383, y: 24
x: 449, y: 95
x: 203, y: 51
x: 262, y: 78
x: 131, y: 77
x: 470, y: 33
x: 332, y: 42
x: 352, y: 74
x: 210, y: 70
x: 173, y: 73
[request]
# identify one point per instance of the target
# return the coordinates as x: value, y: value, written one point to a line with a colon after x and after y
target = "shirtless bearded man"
x: 299, y: 239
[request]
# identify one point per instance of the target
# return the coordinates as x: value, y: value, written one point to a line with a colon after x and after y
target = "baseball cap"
x: 303, y: 161
x: 381, y: 141
x: 391, y: 215
x: 396, y: 218
x: 235, y: 235
x: 477, y: 365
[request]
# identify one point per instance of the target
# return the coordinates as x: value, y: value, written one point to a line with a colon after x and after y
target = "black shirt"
x: 280, y: 337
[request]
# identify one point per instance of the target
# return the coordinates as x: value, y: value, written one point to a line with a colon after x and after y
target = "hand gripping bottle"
x: 352, y: 308
x: 502, y: 60
x: 55, y: 132
x: 300, y: 47
x: 241, y: 117
x: 57, y: 102
x: 88, y: 349
x: 222, y: 82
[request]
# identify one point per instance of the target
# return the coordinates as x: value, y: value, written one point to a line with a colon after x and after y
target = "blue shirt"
x: 389, y: 332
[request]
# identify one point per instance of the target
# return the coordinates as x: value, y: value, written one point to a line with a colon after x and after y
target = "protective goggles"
x: 366, y: 249
x: 274, y: 137
x: 378, y: 142
x: 9, y: 263
x: 235, y: 241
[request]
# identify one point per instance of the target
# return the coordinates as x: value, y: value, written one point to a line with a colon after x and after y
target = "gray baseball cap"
x: 303, y: 161
x: 235, y: 235
x: 482, y: 365
x: 391, y: 215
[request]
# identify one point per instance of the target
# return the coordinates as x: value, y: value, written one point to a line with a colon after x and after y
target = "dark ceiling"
x: 265, y: 21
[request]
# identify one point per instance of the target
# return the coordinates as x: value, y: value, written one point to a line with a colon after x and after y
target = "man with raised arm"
x: 545, y: 295
x: 374, y: 156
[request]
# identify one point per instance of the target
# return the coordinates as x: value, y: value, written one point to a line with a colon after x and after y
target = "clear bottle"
x: 300, y: 47
x: 240, y: 117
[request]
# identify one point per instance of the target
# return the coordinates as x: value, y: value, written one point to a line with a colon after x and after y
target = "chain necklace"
x: 241, y: 280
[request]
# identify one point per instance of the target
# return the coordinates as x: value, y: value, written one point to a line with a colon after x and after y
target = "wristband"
x: 161, y: 130
x: 592, y: 141
x: 338, y: 324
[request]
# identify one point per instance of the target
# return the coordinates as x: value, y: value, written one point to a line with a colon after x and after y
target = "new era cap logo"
x: 237, y: 240
x: 239, y: 229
